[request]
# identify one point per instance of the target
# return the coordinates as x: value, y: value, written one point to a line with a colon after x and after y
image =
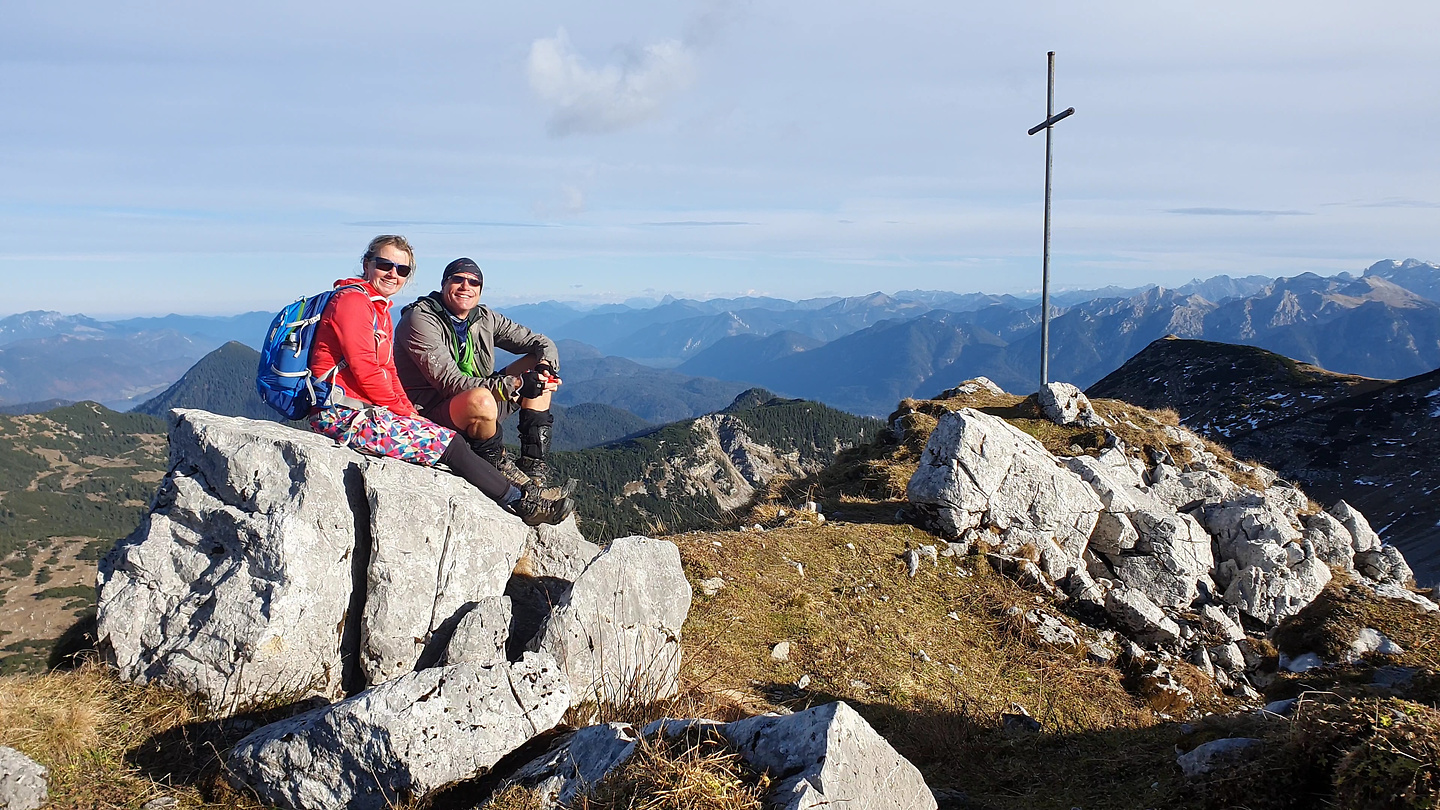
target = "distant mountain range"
x: 1365, y: 325
x: 681, y: 358
x: 1371, y: 442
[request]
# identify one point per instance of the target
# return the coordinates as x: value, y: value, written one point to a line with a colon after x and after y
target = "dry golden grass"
x: 861, y: 631
x: 109, y: 744
x: 690, y: 771
x: 1363, y: 753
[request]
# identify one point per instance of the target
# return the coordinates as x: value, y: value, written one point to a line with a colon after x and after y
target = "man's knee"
x: 475, y: 405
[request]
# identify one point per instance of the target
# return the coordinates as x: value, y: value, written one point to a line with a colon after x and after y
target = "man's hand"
x: 538, y: 381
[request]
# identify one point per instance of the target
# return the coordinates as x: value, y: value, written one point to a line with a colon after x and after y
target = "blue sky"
x: 207, y: 158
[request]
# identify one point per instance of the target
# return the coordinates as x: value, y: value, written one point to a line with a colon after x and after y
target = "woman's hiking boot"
x: 537, y: 505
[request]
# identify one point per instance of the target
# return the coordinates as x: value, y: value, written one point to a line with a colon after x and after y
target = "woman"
x: 368, y: 409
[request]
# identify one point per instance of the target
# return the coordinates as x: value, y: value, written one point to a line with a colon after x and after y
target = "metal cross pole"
x: 1050, y: 120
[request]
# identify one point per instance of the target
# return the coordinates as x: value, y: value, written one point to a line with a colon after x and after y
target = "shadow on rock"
x: 531, y: 600
x: 193, y: 753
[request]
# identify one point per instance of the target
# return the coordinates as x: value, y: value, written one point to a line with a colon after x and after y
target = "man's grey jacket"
x: 426, y: 348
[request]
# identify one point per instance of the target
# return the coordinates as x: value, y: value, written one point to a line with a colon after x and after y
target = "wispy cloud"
x: 1235, y: 212
x: 589, y: 99
x: 400, y: 223
x: 694, y: 223
x: 1398, y: 203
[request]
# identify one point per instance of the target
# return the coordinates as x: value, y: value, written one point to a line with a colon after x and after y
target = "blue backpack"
x: 284, y: 379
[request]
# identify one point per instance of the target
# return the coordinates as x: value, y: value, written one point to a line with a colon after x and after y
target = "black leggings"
x: 474, y: 469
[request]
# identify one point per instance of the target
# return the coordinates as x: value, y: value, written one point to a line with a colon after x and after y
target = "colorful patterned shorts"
x: 379, y: 432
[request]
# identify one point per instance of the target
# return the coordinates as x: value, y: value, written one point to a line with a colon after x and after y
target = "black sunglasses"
x: 468, y: 281
x: 385, y: 266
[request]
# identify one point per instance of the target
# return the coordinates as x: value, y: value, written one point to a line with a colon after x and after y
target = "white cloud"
x: 588, y: 99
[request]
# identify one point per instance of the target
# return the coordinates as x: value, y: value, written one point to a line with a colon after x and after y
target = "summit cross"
x: 1051, y: 118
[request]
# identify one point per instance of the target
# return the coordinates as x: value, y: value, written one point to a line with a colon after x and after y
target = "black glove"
x: 532, y: 382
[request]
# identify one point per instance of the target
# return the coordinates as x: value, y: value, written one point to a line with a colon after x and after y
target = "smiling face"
x: 384, y: 275
x: 461, y: 293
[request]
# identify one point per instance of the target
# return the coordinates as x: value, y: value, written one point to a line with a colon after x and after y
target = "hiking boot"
x: 507, y: 468
x: 493, y: 451
x: 536, y: 506
x: 536, y: 468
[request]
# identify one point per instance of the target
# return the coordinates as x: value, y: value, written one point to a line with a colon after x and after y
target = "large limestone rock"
x: 1138, y: 614
x: 617, y: 632
x: 1170, y: 558
x: 399, y: 741
x: 237, y: 584
x: 829, y: 756
x: 1267, y: 568
x: 1064, y: 404
x: 22, y: 781
x: 437, y: 546
x: 978, y: 470
x: 275, y: 564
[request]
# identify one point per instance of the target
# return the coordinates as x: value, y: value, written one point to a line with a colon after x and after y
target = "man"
x: 446, y: 360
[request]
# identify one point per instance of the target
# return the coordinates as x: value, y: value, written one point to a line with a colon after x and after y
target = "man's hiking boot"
x: 536, y: 505
x: 536, y: 468
x: 494, y: 452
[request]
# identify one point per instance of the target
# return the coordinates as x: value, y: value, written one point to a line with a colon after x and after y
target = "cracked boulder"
x: 274, y: 564
x: 616, y: 633
x: 397, y: 742
x: 978, y: 470
x: 236, y: 585
x: 437, y: 547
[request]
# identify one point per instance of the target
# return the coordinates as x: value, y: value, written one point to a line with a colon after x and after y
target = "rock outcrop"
x: 1175, y: 552
x: 617, y: 632
x: 22, y: 781
x: 401, y: 740
x: 237, y: 585
x: 979, y: 472
x: 274, y: 565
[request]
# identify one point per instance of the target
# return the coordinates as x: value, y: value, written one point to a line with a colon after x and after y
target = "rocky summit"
x: 1055, y: 600
x: 1371, y: 442
x: 1182, y: 547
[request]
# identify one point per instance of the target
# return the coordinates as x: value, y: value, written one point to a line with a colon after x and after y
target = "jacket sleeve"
x: 421, y: 337
x: 351, y: 316
x: 516, y: 339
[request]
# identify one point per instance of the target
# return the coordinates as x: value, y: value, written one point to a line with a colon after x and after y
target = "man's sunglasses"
x: 385, y: 266
x: 468, y: 281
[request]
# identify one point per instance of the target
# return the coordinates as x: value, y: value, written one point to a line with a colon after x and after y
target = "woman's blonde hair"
x: 389, y: 240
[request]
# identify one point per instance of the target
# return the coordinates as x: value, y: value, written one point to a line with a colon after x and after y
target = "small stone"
x: 161, y: 803
x: 1303, y: 663
x: 1214, y: 755
x: 1019, y: 721
x: 953, y: 615
x: 711, y: 586
x: 803, y: 683
x: 1280, y: 707
x: 912, y: 562
x: 781, y: 651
